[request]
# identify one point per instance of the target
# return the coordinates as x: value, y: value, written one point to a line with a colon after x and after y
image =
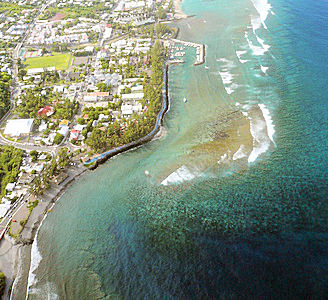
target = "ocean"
x: 235, y: 204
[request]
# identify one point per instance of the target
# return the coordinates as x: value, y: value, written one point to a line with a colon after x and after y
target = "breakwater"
x: 200, y: 50
x: 101, y: 158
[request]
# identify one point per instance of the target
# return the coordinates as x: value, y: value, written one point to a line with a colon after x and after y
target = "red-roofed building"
x: 75, y: 134
x: 46, y: 111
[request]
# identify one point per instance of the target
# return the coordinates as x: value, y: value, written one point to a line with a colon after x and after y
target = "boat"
x: 185, y: 100
x: 206, y: 67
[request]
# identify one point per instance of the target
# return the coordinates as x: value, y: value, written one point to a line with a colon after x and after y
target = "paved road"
x: 27, y: 147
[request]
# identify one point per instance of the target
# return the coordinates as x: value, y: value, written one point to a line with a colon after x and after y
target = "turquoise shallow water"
x: 240, y: 227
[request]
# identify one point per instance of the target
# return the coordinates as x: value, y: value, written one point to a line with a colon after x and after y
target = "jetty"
x: 175, y: 61
x: 200, y: 50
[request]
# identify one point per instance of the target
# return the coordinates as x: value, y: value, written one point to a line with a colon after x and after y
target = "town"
x: 77, y: 78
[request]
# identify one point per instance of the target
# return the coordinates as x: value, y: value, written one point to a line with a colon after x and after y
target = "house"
x: 64, y: 122
x: 75, y: 134
x: 59, y: 88
x: 17, y: 127
x: 64, y: 129
x: 4, y: 209
x: 46, y: 111
x: 132, y: 96
x: 43, y: 126
x: 10, y: 186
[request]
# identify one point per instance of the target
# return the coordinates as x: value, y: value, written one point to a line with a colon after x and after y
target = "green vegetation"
x: 2, y: 284
x: 58, y: 138
x: 103, y: 87
x: 34, y: 99
x: 76, y: 11
x: 61, y: 61
x: 161, y: 13
x: 12, y: 9
x: 123, y: 132
x: 54, y: 168
x: 5, y: 81
x: 162, y: 29
x: 10, y: 162
x: 31, y: 206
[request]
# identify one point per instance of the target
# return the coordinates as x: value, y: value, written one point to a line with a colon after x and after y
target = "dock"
x: 200, y: 50
x: 175, y: 61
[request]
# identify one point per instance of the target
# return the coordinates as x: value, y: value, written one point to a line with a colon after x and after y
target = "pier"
x: 200, y: 50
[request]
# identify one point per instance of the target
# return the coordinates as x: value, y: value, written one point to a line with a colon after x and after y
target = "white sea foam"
x: 261, y: 142
x: 180, y: 175
x: 264, y: 69
x: 256, y: 23
x: 263, y: 8
x: 36, y: 258
x: 48, y: 291
x: 240, y: 153
x: 264, y: 46
x: 227, y: 76
x: 237, y: 103
x: 239, y: 54
x: 35, y: 261
x: 223, y: 158
x: 257, y: 50
x: 268, y: 121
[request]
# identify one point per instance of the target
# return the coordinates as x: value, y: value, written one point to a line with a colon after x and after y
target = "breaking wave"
x: 240, y: 153
x: 180, y: 175
x: 268, y: 121
x: 263, y: 7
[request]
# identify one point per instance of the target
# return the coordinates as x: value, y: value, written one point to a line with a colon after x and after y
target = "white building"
x: 132, y: 96
x: 18, y: 127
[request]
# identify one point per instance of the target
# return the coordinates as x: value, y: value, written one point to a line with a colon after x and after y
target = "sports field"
x: 61, y: 61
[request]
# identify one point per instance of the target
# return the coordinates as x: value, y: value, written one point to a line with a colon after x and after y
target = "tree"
x: 103, y: 87
x: 2, y: 283
x: 161, y: 13
x: 63, y: 159
x: 58, y: 138
x: 34, y: 155
x: 21, y: 73
x: 5, y: 80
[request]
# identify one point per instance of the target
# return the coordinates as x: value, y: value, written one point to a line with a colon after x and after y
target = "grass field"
x: 61, y: 61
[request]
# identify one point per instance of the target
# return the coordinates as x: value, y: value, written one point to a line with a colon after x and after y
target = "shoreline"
x: 24, y: 243
x: 103, y: 157
x: 178, y: 12
x: 14, y: 267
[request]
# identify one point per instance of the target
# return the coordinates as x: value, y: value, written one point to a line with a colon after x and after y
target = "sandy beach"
x: 179, y: 14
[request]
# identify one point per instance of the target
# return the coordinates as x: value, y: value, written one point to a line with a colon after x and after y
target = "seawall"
x: 165, y: 104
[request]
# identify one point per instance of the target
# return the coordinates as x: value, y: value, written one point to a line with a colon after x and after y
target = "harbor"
x: 200, y: 50
x: 177, y: 51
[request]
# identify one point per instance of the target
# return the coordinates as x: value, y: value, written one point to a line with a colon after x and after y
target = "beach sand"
x: 15, y: 254
x: 179, y: 14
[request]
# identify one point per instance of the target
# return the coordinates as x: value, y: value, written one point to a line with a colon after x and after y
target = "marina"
x: 175, y: 57
x: 200, y: 50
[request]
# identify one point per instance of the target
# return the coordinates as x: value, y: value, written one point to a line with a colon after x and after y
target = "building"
x: 17, y: 127
x: 46, y: 111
